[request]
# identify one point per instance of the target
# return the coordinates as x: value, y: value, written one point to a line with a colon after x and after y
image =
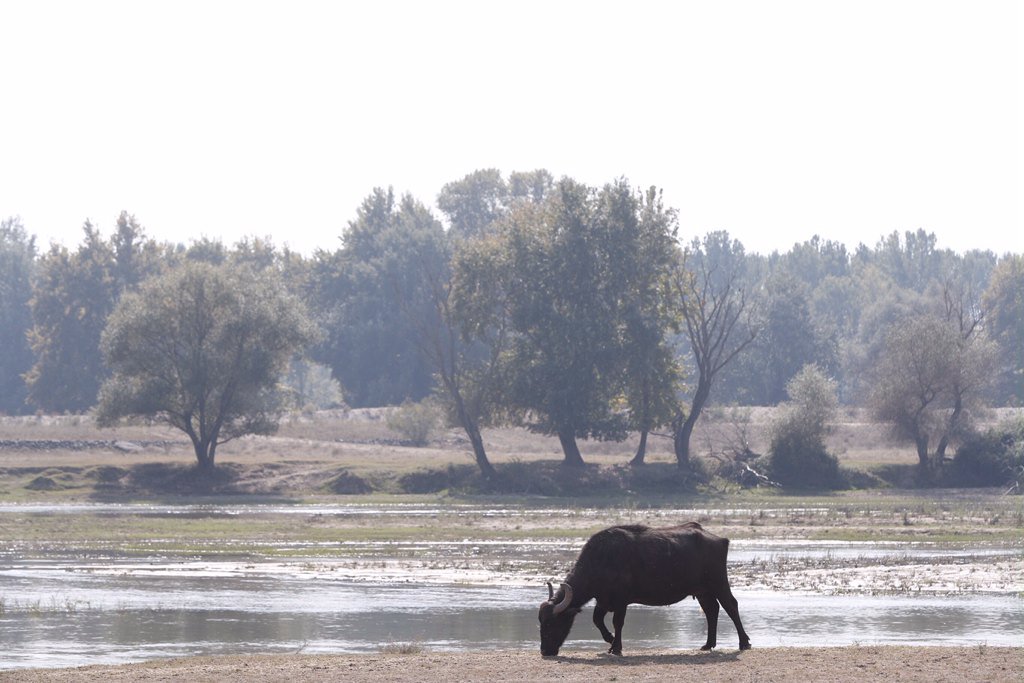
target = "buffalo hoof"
x: 613, y: 651
x: 707, y: 648
x: 744, y: 646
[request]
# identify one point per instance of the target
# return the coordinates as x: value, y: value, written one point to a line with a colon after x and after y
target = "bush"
x: 414, y: 421
x: 797, y: 457
x: 799, y: 460
x: 994, y: 458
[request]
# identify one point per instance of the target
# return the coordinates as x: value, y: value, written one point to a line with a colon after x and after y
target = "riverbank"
x: 853, y: 664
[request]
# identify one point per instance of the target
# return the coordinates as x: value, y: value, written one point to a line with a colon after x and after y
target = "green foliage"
x: 476, y: 202
x: 1004, y: 302
x: 994, y: 458
x: 202, y: 348
x: 17, y: 264
x: 576, y: 270
x: 797, y: 455
x: 311, y: 386
x: 414, y: 421
x: 927, y: 379
x: 73, y: 294
x: 370, y: 300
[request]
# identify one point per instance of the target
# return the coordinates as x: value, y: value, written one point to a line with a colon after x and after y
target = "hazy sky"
x: 772, y: 120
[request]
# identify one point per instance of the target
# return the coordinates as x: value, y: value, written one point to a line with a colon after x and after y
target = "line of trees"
x: 575, y: 311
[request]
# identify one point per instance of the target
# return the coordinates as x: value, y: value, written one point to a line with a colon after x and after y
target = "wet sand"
x: 785, y: 665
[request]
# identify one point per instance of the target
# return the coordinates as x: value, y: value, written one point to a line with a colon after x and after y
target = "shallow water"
x: 57, y: 617
x: 69, y: 611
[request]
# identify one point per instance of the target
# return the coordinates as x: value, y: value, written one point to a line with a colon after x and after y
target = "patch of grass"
x: 401, y: 649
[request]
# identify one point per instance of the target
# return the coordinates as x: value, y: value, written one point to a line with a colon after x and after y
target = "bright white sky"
x: 772, y: 120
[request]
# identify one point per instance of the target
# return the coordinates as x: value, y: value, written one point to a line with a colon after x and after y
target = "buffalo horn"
x: 551, y: 592
x: 566, y: 601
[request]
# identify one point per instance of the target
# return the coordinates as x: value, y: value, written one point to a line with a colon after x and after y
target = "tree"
x: 428, y: 306
x: 789, y: 338
x: 715, y: 312
x: 798, y: 456
x: 73, y: 293
x: 1003, y: 302
x: 202, y: 348
x: 475, y: 202
x: 927, y: 378
x: 358, y: 291
x: 17, y: 264
x: 72, y: 296
x: 913, y: 262
x: 574, y: 268
x: 650, y: 312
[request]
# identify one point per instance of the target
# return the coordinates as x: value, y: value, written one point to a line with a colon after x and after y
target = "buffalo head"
x: 556, y: 617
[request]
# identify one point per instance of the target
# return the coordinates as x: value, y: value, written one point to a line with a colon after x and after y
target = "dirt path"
x: 785, y: 665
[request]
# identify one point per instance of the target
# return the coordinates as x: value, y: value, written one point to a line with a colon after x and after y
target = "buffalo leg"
x: 710, y: 607
x: 618, y: 619
x: 599, y: 613
x: 732, y: 608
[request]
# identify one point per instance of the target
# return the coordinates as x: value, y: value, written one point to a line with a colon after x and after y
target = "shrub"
x: 993, y: 458
x: 414, y: 421
x: 799, y: 460
x: 797, y: 456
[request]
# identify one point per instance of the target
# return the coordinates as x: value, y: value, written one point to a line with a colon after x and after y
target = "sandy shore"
x: 786, y: 665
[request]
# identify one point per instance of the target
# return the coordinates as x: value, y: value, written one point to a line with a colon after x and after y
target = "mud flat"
x: 854, y: 664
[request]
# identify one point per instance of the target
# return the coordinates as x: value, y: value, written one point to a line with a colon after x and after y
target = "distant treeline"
x: 524, y: 256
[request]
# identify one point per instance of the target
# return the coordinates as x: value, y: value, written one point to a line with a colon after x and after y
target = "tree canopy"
x: 203, y: 348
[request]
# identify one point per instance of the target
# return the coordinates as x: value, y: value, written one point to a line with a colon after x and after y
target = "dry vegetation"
x: 354, y: 452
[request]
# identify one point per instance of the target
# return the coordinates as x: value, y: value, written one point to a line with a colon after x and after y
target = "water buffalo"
x: 636, y: 564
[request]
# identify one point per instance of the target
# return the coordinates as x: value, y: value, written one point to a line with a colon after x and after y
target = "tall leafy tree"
x: 574, y: 270
x: 73, y: 293
x: 202, y: 348
x: 360, y: 291
x: 928, y: 376
x: 72, y: 296
x: 1003, y: 301
x: 914, y: 260
x: 466, y: 335
x: 790, y: 338
x: 17, y: 264
x: 475, y: 202
x: 650, y: 312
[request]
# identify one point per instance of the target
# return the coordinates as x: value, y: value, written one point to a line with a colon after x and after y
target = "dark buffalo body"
x: 636, y: 564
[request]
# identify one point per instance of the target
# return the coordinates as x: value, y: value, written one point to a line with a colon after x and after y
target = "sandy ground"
x: 859, y: 664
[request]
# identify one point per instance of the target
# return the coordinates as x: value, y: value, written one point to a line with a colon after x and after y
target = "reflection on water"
x: 109, y: 618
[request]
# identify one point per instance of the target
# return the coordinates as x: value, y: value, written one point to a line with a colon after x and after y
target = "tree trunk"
x: 205, y: 454
x: 641, y: 450
x: 479, y: 453
x: 681, y: 441
x: 954, y: 418
x: 472, y: 429
x: 921, y: 442
x: 571, y: 449
x: 684, y: 429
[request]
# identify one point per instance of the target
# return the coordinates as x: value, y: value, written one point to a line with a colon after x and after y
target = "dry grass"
x: 310, y: 450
